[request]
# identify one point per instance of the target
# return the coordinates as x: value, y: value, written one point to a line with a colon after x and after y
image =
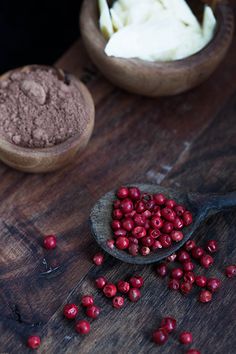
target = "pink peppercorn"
x: 123, y: 286
x: 186, y: 287
x: 136, y: 281
x: 200, y: 280
x: 87, y: 300
x: 50, y: 242
x: 82, y: 327
x: 110, y: 290
x: 230, y: 271
x: 205, y: 296
x: 118, y: 302
x: 134, y: 294
x: 206, y: 260
x: 33, y: 342
x: 100, y: 282
x: 98, y: 259
x: 186, y: 338
x: 93, y: 311
x: 160, y: 337
x: 168, y: 323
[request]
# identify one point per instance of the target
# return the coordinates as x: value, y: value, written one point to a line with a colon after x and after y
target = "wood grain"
x: 186, y: 142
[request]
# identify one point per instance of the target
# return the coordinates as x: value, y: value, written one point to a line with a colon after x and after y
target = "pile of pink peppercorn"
x: 143, y: 223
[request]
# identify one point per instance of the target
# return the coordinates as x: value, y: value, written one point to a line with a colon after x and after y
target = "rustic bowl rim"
x: 225, y: 21
x: 57, y: 149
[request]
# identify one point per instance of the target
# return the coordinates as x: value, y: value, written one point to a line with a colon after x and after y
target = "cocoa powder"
x: 39, y: 108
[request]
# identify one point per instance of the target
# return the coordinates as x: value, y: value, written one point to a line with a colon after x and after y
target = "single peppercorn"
x: 115, y: 225
x: 93, y: 311
x: 189, y: 277
x: 212, y: 246
x: 118, y: 302
x: 98, y: 258
x: 205, y: 296
x: 70, y: 311
x: 197, y: 252
x: 174, y: 284
x: 139, y: 232
x: 193, y: 351
x: 165, y: 240
x: 117, y: 214
x: 82, y: 327
x: 171, y: 258
x: 145, y: 251
x: 168, y: 214
x: 122, y: 243
x: 159, y: 198
x: 188, y: 266
x: 179, y: 209
x: 177, y: 273
x: 50, y: 242
x: 169, y: 324
x: 100, y: 282
x: 133, y: 249
x: 126, y: 205
x: 187, y: 218
x: 160, y: 336
x: 176, y: 235
x: 206, y: 261
x: 111, y: 244
x: 200, y: 280
x: 186, y: 287
x: 87, y: 300
x: 186, y: 338
x: 134, y: 294
x: 230, y: 271
x: 123, y: 286
x: 134, y: 193
x: 122, y: 192
x: 161, y: 270
x: 33, y: 342
x: 213, y: 284
x: 183, y: 256
x: 110, y: 290
x: 170, y: 203
x: 189, y: 245
x: 136, y: 281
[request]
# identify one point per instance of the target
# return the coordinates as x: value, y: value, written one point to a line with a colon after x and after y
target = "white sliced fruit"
x: 129, y: 42
x: 105, y: 21
x: 139, y: 14
x: 182, y: 11
x: 209, y: 24
x: 116, y: 20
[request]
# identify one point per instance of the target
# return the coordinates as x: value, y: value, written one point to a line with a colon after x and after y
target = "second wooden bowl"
x: 156, y: 78
x: 36, y: 160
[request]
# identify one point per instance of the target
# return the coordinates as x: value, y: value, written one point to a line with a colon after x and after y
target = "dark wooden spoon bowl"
x: 200, y: 205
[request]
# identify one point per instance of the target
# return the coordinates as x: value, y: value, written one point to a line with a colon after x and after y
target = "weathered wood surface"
x: 186, y: 142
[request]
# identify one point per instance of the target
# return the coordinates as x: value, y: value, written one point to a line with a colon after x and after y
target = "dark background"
x: 36, y: 32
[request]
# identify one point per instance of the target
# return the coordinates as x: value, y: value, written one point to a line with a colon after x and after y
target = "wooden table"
x: 186, y: 142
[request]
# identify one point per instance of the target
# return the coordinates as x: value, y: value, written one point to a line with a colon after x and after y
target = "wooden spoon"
x: 200, y: 205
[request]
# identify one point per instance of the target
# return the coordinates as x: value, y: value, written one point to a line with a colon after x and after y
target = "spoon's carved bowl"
x: 100, y: 220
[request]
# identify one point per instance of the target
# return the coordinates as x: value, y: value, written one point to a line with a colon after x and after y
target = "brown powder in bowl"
x: 40, y: 107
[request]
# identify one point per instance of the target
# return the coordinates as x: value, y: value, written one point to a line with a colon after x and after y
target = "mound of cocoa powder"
x: 38, y: 108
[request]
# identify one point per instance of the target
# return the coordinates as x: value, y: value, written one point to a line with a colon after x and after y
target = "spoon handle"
x: 216, y: 202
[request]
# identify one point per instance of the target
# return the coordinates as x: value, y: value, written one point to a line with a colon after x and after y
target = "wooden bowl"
x: 37, y: 160
x: 156, y: 78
